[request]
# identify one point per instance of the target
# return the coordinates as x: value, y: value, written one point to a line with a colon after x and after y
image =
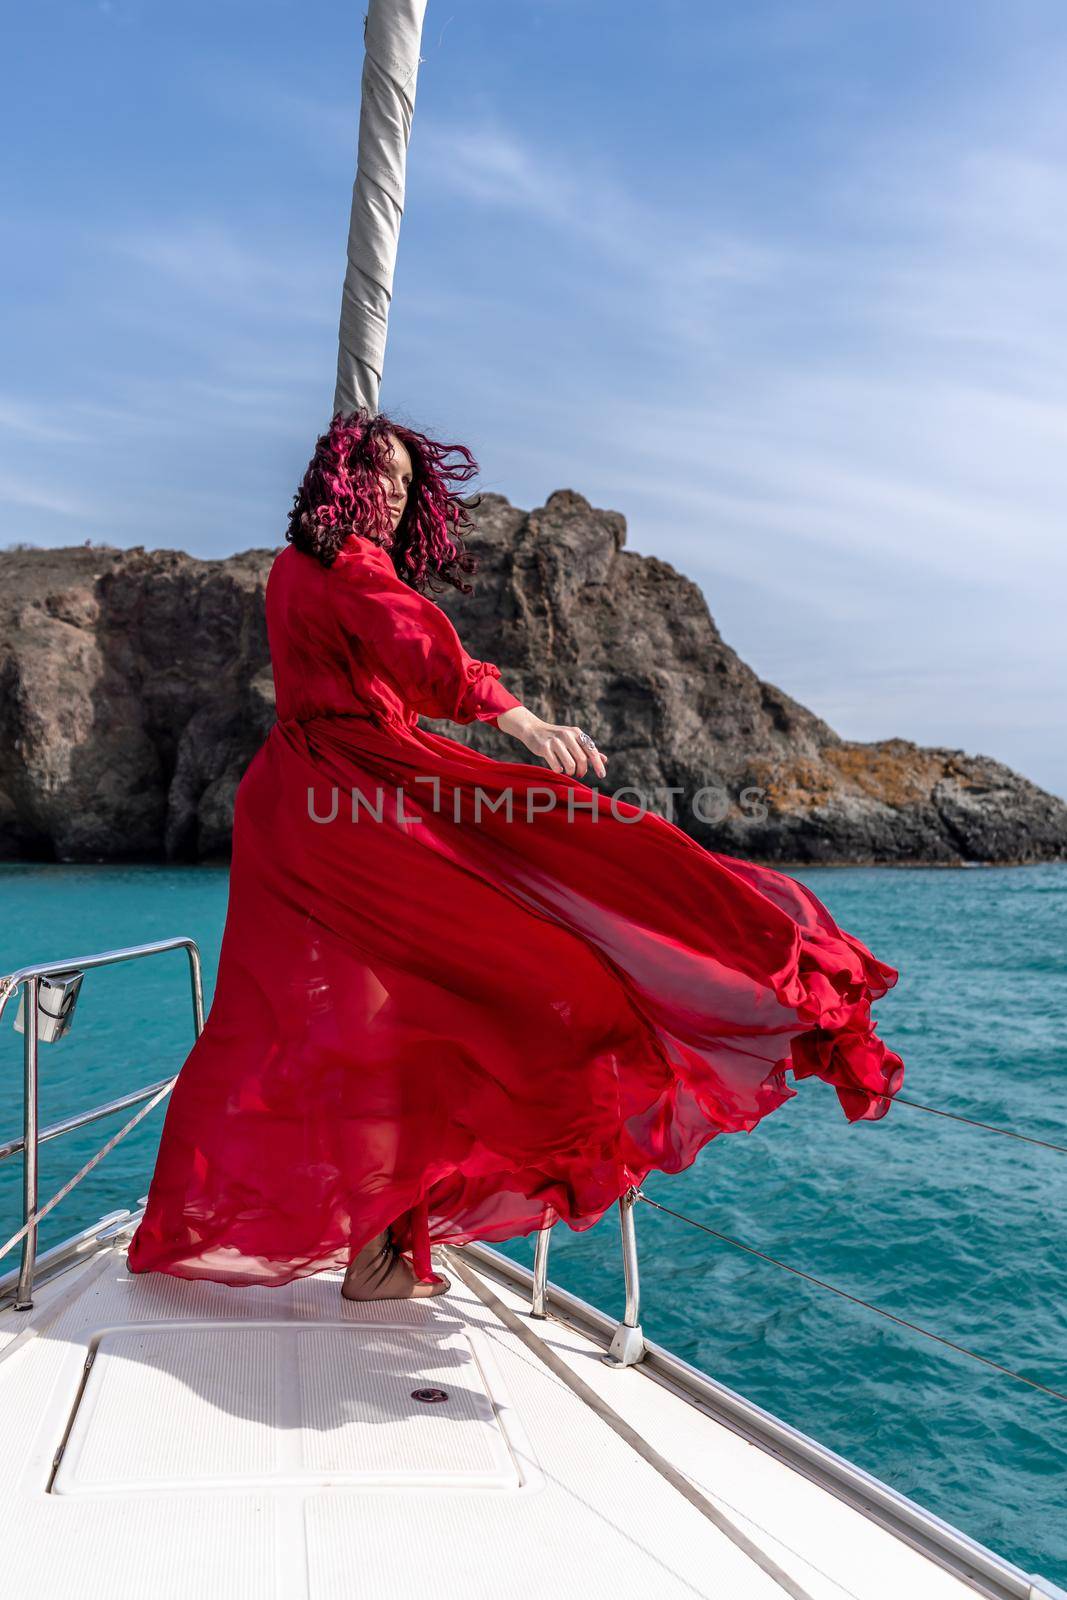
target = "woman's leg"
x: 380, y: 1272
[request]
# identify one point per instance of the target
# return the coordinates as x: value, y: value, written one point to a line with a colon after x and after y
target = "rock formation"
x: 135, y: 687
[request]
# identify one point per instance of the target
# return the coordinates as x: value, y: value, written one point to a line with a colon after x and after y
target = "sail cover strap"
x: 392, y: 33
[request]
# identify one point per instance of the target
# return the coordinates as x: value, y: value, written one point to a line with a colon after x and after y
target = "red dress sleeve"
x: 413, y: 643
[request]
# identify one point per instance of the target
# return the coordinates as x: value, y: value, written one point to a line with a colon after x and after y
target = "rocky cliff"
x: 135, y: 687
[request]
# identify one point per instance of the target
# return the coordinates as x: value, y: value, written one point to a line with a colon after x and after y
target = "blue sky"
x: 785, y: 284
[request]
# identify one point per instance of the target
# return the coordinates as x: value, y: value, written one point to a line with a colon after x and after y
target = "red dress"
x: 468, y: 1023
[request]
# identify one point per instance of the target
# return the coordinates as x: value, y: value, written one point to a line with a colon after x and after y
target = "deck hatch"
x: 239, y: 1406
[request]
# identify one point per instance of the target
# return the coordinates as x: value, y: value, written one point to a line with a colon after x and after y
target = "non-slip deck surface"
x: 269, y: 1443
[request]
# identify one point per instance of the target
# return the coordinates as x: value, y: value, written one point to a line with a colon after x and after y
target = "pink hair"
x: 341, y: 494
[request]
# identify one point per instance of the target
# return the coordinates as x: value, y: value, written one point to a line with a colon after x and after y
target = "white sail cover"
x: 392, y: 33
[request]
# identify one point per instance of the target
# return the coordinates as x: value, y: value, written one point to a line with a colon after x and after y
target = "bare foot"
x: 380, y: 1272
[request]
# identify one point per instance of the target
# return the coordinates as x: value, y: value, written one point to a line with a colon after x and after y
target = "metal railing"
x: 628, y: 1344
x: 29, y: 979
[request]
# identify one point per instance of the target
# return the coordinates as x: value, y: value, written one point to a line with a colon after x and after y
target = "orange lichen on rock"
x: 799, y: 785
x: 895, y: 772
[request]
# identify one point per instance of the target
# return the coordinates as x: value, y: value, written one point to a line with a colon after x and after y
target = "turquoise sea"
x: 953, y: 1228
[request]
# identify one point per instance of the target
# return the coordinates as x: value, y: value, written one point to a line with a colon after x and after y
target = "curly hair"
x: 341, y: 494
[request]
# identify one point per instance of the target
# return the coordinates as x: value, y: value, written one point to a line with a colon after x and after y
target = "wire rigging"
x: 856, y: 1300
x: 972, y: 1122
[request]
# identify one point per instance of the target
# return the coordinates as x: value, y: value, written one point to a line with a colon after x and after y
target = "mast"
x: 392, y: 33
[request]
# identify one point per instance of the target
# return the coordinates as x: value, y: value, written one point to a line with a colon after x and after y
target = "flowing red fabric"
x: 463, y: 996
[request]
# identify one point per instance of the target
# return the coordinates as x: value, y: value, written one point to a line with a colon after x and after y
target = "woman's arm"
x: 556, y: 743
x: 415, y: 645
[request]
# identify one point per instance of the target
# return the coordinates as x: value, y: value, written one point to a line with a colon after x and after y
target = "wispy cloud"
x: 26, y: 420
x: 587, y: 203
x: 255, y: 276
x: 667, y: 277
x: 36, y: 495
x: 327, y: 131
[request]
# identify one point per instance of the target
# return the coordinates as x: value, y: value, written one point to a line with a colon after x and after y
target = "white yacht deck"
x: 266, y: 1442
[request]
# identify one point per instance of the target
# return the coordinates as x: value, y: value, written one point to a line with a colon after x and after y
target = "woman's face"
x: 395, y: 479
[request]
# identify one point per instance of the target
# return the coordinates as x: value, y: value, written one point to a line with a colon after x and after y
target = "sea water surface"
x: 961, y: 1231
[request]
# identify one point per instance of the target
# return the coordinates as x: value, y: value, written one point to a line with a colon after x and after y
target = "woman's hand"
x: 558, y: 744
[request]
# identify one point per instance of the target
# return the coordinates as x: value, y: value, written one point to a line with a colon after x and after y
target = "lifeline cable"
x: 608, y: 1414
x: 972, y: 1122
x: 43, y: 1211
x: 902, y: 1322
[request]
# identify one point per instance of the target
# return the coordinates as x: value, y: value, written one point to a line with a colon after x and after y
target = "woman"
x: 459, y: 997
